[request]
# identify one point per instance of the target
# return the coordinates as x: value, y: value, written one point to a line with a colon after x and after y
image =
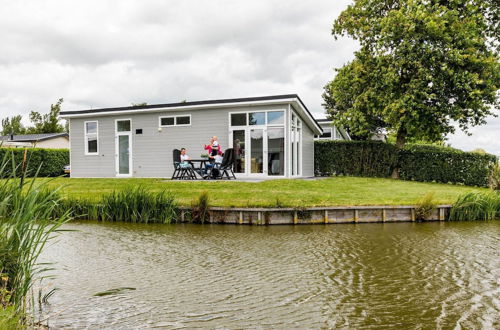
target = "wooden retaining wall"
x: 317, y: 215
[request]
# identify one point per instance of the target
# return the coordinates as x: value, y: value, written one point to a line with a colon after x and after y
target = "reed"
x: 27, y: 223
x: 138, y: 205
x: 135, y: 205
x: 200, y: 208
x: 476, y: 206
x: 425, y: 206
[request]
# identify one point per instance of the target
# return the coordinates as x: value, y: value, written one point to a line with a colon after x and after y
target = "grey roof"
x: 32, y: 137
x: 186, y: 104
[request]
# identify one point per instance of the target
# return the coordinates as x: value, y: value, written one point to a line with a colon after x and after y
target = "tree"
x: 423, y: 66
x: 13, y: 125
x: 47, y: 123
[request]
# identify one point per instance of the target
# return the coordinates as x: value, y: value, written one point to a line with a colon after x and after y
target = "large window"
x: 91, y: 138
x: 167, y: 121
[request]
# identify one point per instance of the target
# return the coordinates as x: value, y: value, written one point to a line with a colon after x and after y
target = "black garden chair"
x: 180, y: 172
x: 225, y: 169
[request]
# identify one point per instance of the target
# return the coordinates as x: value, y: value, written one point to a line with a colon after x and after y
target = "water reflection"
x: 398, y: 275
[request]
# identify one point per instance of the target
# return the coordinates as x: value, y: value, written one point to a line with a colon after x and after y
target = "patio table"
x: 199, y: 164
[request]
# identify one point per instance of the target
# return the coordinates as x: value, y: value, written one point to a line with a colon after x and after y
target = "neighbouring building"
x: 274, y: 136
x: 47, y: 140
x: 331, y: 132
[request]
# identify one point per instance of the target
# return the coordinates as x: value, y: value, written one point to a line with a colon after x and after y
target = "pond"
x: 417, y: 275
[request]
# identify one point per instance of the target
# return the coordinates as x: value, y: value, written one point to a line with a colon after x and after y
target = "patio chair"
x: 226, y: 167
x: 182, y: 173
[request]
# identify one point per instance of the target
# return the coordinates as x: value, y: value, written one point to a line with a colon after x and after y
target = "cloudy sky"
x: 112, y: 53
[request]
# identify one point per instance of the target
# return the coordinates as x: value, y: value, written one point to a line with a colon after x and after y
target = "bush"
x: 415, y: 162
x: 444, y: 164
x: 50, y: 161
x: 359, y: 158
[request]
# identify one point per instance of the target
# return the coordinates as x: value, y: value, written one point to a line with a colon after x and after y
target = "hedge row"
x: 416, y: 162
x: 50, y: 161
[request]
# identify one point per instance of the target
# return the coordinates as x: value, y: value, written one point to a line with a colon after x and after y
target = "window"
x: 183, y: 120
x: 257, y: 118
x: 327, y: 134
x: 238, y: 119
x: 123, y: 126
x: 91, y: 138
x: 275, y: 117
x: 175, y: 121
x: 167, y: 121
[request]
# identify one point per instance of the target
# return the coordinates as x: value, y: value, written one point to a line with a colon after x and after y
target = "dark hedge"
x: 52, y: 161
x: 415, y: 162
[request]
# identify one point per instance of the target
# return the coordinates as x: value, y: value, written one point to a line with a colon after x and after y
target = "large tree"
x: 422, y: 67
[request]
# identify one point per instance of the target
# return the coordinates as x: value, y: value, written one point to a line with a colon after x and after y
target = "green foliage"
x: 132, y: 205
x: 476, y: 206
x: 199, y: 209
x: 422, y: 66
x: 26, y: 225
x: 442, y: 164
x: 138, y: 205
x: 425, y: 206
x: 495, y: 177
x: 49, y: 162
x: 358, y: 158
x: 415, y: 162
x: 47, y: 123
x: 10, y: 319
x: 40, y: 123
x: 142, y: 104
x: 13, y: 125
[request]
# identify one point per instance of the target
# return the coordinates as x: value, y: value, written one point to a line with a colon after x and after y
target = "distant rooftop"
x: 31, y: 137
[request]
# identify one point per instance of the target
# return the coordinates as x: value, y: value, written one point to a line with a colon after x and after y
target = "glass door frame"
x: 248, y: 150
x: 247, y: 128
x: 117, y: 148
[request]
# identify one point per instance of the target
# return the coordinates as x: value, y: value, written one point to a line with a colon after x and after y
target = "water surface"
x: 368, y: 275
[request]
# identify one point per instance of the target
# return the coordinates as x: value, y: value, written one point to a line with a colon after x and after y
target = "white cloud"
x: 101, y: 53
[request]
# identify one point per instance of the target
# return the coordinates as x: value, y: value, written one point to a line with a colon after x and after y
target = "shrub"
x: 476, y: 206
x: 415, y: 162
x: 49, y: 161
x: 359, y: 158
x: 444, y: 164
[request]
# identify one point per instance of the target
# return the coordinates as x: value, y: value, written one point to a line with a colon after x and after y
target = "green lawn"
x: 287, y: 193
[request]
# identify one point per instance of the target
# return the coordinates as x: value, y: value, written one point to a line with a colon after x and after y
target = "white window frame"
x: 86, y: 135
x: 175, y: 121
x: 264, y: 127
x: 130, y: 155
x: 332, y: 132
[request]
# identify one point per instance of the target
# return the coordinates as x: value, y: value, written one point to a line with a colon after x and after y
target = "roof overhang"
x: 292, y: 99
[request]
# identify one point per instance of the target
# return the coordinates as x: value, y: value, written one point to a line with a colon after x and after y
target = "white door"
x: 123, y: 147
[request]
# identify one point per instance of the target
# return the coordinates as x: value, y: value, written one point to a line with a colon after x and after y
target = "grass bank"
x: 336, y: 191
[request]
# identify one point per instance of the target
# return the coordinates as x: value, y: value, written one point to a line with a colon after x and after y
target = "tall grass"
x: 476, y: 206
x: 425, y: 207
x: 26, y: 225
x: 135, y: 205
x: 200, y: 208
